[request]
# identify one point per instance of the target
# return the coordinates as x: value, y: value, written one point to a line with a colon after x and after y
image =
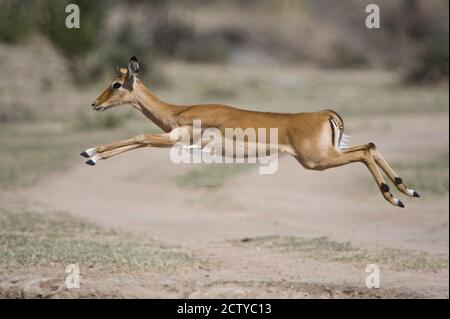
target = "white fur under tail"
x: 344, y: 142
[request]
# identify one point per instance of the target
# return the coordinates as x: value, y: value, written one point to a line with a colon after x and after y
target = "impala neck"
x: 159, y: 112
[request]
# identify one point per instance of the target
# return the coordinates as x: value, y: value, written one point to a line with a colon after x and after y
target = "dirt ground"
x: 136, y: 192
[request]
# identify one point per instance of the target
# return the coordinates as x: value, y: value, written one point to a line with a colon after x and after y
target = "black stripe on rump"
x: 332, y: 131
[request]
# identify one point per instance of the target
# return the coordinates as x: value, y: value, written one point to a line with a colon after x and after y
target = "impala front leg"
x: 108, y: 150
x: 107, y: 154
x: 107, y: 147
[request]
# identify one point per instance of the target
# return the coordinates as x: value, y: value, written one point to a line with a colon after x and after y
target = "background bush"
x: 413, y: 36
x: 432, y: 64
x: 17, y: 20
x: 73, y: 42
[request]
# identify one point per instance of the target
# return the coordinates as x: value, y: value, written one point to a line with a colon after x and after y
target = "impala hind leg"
x: 337, y: 158
x: 398, y: 181
x: 379, y: 159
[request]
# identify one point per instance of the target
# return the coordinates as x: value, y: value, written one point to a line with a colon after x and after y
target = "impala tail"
x: 340, y: 140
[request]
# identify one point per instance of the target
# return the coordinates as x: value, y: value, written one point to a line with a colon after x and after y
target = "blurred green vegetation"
x: 347, y: 57
x: 413, y: 36
x: 19, y: 19
x: 179, y: 39
x: 432, y: 64
x: 77, y: 41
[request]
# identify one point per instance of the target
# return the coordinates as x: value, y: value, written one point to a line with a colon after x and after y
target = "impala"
x: 314, y: 139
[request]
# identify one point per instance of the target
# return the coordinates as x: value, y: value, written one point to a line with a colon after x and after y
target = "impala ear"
x: 133, y: 66
x: 132, y: 70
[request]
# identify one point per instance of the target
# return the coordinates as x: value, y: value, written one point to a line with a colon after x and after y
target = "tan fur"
x: 310, y: 137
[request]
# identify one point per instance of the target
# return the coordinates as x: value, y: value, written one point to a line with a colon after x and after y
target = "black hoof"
x: 84, y: 154
x: 90, y: 162
x: 384, y: 187
x: 416, y: 194
x: 400, y: 204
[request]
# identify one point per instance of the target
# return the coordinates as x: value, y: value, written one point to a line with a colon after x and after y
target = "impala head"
x: 121, y: 89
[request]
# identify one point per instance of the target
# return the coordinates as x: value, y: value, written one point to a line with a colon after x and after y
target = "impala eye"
x: 116, y: 85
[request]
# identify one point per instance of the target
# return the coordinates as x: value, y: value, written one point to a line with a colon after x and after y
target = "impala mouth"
x: 98, y: 108
x: 93, y: 160
x: 88, y: 153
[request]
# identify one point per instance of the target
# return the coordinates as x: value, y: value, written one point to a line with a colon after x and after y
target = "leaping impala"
x: 314, y: 139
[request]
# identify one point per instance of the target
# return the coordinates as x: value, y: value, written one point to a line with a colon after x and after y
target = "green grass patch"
x: 210, y: 176
x: 31, y: 238
x: 323, y: 248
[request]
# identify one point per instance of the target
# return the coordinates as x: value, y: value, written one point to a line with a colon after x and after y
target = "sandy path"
x: 136, y: 191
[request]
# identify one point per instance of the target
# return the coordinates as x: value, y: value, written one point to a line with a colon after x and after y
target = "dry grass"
x: 323, y: 248
x: 29, y: 238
